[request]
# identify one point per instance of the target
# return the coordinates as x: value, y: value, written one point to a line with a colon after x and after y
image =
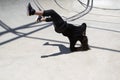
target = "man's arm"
x: 39, y: 19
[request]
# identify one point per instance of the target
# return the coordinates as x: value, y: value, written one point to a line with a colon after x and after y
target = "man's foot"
x: 30, y: 10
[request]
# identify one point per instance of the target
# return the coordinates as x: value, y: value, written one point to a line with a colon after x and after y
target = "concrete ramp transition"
x: 34, y: 51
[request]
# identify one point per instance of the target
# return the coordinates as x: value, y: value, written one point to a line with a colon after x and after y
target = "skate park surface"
x: 25, y: 43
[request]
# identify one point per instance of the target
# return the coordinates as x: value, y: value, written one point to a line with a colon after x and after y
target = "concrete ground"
x: 23, y: 43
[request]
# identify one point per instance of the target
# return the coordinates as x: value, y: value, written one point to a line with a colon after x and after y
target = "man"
x: 74, y: 33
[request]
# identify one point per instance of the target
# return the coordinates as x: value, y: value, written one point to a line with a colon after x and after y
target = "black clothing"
x: 59, y: 24
x: 73, y: 30
x: 30, y: 10
x: 74, y: 33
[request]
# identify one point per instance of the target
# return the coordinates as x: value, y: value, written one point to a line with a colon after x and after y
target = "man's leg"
x: 59, y: 24
x: 55, y: 17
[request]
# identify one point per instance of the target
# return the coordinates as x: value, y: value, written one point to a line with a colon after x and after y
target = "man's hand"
x: 39, y: 19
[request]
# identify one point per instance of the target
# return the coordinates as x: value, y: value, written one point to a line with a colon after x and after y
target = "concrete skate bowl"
x: 21, y: 41
x: 74, y: 9
x: 71, y: 9
x: 13, y: 13
x: 84, y: 10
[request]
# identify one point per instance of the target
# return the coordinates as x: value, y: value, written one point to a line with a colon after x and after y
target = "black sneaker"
x: 30, y: 10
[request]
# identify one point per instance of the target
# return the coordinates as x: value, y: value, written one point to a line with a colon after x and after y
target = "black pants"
x: 74, y: 33
x: 59, y: 24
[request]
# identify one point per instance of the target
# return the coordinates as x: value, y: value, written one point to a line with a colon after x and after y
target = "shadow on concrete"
x: 42, y: 26
x: 63, y: 42
x: 13, y: 30
x: 63, y: 50
x: 20, y: 34
x: 30, y: 25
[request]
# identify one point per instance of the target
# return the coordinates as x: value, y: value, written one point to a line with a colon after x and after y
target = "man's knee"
x: 52, y: 11
x: 49, y: 12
